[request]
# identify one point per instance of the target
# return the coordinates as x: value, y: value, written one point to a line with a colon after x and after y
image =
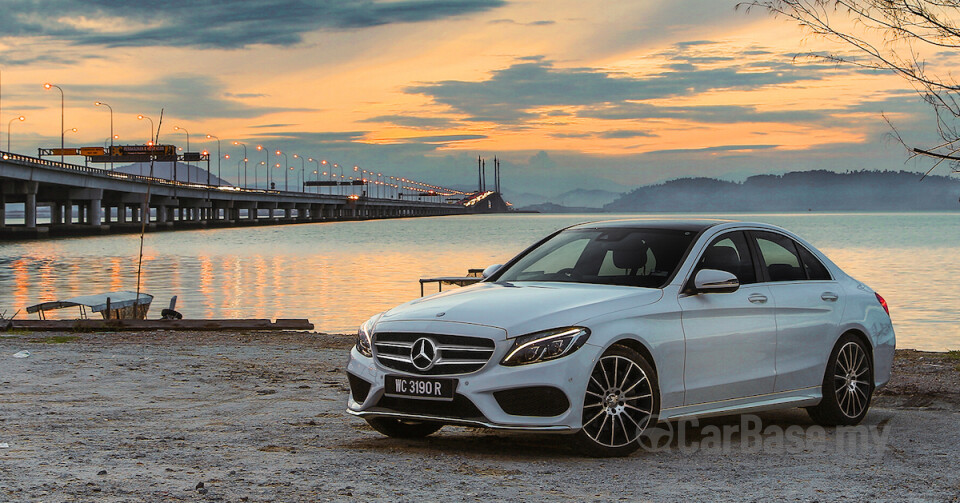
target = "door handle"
x: 829, y: 296
x: 757, y: 298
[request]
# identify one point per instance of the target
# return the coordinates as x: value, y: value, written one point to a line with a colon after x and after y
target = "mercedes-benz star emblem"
x: 423, y: 353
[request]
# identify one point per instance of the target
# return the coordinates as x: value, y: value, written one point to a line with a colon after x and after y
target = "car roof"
x: 695, y: 225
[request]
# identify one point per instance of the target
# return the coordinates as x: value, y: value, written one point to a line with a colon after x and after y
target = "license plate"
x: 425, y: 388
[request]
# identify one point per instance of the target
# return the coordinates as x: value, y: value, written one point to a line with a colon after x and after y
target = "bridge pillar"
x: 95, y: 212
x: 67, y: 212
x: 3, y: 208
x: 161, y: 214
x: 288, y: 213
x: 121, y: 213
x: 56, y: 213
x: 30, y: 206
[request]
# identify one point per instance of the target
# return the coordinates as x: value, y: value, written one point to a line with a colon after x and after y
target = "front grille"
x: 455, y: 354
x: 459, y: 408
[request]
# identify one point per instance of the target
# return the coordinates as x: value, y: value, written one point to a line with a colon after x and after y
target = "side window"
x: 729, y: 253
x: 780, y: 257
x: 814, y: 268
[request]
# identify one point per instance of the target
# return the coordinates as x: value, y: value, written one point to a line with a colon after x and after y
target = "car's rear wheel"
x: 847, y: 385
x: 402, y: 428
x: 621, y: 400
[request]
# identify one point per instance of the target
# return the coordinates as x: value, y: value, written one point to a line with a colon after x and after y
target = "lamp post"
x: 317, y: 172
x: 266, y: 163
x: 286, y: 163
x: 256, y: 179
x: 49, y: 86
x: 108, y: 140
x: 10, y: 125
x: 178, y: 128
x: 219, y: 176
x: 303, y: 175
x: 149, y: 138
x: 244, y: 145
x: 100, y: 103
x: 69, y: 129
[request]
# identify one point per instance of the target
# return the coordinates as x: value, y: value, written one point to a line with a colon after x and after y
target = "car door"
x: 730, y: 338
x: 809, y: 304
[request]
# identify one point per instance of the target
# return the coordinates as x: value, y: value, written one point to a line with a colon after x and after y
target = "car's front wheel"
x: 621, y: 400
x: 847, y: 385
x: 401, y: 428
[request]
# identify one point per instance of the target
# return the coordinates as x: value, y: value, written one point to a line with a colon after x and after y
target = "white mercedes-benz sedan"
x: 601, y: 330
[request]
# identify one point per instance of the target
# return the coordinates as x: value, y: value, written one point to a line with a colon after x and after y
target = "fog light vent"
x: 358, y: 388
x: 538, y: 401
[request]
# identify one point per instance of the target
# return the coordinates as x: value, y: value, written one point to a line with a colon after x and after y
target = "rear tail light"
x: 883, y: 303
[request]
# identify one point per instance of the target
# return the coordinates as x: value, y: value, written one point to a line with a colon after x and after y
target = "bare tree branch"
x: 890, y: 35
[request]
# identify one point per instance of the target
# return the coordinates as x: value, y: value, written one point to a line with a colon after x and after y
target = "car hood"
x: 522, y: 307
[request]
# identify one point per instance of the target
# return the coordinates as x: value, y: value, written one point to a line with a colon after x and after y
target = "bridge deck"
x: 82, y: 199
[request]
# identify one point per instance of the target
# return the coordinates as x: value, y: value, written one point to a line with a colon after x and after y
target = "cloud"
x: 312, y: 137
x: 543, y: 22
x: 245, y: 95
x: 720, y: 148
x: 512, y: 95
x: 444, y: 138
x: 723, y: 114
x: 234, y: 24
x: 607, y: 135
x: 270, y: 125
x: 184, y: 96
x: 626, y: 133
x: 413, y: 122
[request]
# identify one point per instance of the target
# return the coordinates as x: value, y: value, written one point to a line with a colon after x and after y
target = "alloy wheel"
x: 851, y: 379
x: 618, y: 404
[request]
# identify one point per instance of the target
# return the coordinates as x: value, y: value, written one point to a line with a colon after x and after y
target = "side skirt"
x: 780, y: 400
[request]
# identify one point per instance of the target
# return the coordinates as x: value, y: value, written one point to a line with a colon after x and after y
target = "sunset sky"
x: 602, y: 94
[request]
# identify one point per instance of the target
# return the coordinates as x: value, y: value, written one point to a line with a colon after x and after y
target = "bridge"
x: 87, y: 200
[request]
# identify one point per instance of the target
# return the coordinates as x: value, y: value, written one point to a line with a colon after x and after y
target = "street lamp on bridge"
x: 10, y: 125
x: 149, y: 138
x: 178, y: 128
x: 286, y: 163
x: 49, y: 86
x: 219, y: 176
x: 302, y: 172
x: 244, y: 145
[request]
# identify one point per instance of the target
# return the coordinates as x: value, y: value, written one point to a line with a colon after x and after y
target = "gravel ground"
x: 260, y: 417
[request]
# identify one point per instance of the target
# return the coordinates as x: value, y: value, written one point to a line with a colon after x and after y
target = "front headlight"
x: 364, y: 342
x: 545, y: 346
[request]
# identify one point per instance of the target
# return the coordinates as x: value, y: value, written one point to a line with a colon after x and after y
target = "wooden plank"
x: 134, y: 325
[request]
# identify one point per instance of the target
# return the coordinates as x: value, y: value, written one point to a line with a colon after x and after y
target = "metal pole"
x: 219, y: 157
x: 61, y: 123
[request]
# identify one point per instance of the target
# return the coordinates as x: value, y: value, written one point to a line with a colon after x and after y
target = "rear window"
x: 812, y: 265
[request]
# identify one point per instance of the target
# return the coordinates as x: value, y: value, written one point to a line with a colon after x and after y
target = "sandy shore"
x: 259, y: 417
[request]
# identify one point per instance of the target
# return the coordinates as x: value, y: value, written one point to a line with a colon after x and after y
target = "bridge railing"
x: 44, y: 163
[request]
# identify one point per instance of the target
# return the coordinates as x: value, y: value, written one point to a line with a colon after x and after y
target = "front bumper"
x: 475, y: 403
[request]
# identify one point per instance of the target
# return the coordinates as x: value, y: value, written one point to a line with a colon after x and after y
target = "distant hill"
x: 185, y: 172
x: 586, y: 198
x: 557, y: 208
x: 797, y: 191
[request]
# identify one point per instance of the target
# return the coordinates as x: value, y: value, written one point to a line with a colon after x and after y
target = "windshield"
x: 630, y: 257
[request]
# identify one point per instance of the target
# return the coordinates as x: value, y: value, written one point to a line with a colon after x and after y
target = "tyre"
x: 402, y: 428
x: 621, y: 400
x: 847, y: 385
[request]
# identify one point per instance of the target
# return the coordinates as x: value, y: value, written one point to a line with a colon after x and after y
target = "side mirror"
x: 490, y: 271
x: 714, y: 281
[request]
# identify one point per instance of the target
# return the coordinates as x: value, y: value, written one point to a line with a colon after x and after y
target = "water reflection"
x: 338, y: 274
